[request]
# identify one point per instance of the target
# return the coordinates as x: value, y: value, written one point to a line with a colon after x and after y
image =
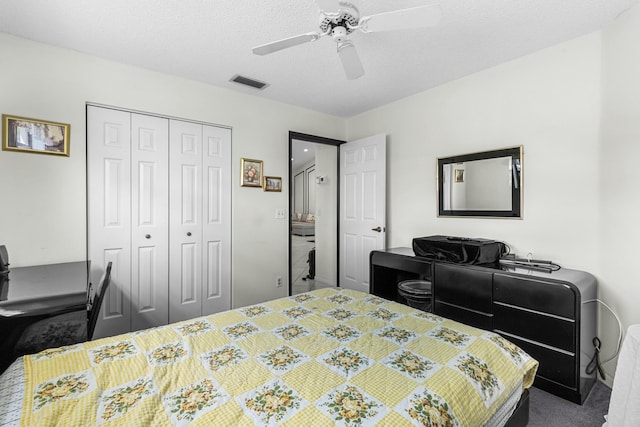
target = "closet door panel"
x: 109, y: 213
x: 216, y: 229
x: 189, y: 199
x: 214, y: 269
x: 150, y: 221
x: 212, y: 257
x: 185, y: 211
x: 115, y: 307
x: 190, y: 265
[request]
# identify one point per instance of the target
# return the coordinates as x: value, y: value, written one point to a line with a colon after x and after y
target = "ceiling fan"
x: 339, y: 18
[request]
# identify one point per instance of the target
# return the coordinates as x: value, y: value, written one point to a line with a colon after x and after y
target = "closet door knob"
x: 148, y: 236
x: 188, y: 233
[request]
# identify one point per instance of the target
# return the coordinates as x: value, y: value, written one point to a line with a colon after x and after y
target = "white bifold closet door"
x: 149, y: 221
x: 109, y: 213
x: 159, y: 208
x: 199, y: 232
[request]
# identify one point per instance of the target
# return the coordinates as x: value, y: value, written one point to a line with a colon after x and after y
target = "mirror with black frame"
x: 313, y: 204
x: 484, y: 184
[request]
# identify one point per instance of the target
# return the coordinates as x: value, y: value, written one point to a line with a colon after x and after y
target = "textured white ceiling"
x: 211, y: 41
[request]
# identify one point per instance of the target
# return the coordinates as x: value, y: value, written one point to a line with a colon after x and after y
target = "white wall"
x: 549, y: 102
x: 619, y: 201
x: 42, y: 200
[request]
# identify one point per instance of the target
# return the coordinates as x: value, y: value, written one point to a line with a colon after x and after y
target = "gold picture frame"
x: 272, y: 183
x: 35, y: 136
x: 250, y: 173
x: 459, y: 175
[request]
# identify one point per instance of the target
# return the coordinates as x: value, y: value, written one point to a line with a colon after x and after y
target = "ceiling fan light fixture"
x: 351, y: 63
x: 339, y: 34
x: 347, y: 17
x: 339, y: 18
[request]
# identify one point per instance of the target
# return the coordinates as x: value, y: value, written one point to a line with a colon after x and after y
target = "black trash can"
x: 416, y: 294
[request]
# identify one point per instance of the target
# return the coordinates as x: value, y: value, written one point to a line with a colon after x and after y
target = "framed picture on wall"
x: 272, y: 183
x: 34, y: 136
x: 251, y: 173
x: 459, y: 175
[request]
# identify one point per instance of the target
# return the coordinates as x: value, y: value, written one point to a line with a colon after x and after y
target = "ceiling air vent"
x: 248, y: 82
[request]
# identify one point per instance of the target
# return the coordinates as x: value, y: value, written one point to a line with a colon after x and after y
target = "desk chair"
x: 47, y: 325
x: 94, y: 303
x: 57, y: 324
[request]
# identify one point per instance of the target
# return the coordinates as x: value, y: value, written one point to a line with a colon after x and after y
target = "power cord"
x: 545, y: 266
x: 595, y: 362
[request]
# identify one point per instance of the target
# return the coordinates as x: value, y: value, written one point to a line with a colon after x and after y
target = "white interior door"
x: 185, y: 233
x: 216, y: 224
x: 362, y: 208
x: 149, y: 221
x: 109, y: 213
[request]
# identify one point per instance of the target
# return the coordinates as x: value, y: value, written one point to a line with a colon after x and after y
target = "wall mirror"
x: 313, y: 204
x: 485, y: 184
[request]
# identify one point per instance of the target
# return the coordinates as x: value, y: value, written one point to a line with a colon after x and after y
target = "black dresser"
x: 549, y: 315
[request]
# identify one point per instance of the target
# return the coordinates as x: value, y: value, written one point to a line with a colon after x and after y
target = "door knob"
x: 188, y: 233
x: 377, y: 229
x: 148, y: 236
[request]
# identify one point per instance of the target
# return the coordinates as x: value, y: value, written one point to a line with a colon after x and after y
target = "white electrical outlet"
x: 279, y: 213
x: 279, y: 282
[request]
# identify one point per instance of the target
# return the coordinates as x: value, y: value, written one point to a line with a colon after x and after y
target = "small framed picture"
x: 34, y: 136
x: 459, y: 175
x: 250, y: 173
x: 272, y: 183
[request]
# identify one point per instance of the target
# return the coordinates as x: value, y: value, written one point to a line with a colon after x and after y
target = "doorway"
x: 314, y: 211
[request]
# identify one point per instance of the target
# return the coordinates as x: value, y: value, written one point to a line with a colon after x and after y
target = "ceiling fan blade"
x: 415, y: 17
x: 350, y: 60
x: 285, y: 43
x: 328, y: 5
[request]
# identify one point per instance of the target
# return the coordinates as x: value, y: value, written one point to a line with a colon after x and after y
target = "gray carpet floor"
x: 547, y: 410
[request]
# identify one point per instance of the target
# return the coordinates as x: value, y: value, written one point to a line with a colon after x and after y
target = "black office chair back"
x: 4, y: 260
x: 94, y: 304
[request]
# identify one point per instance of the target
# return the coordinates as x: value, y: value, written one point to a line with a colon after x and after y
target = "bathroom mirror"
x: 486, y: 184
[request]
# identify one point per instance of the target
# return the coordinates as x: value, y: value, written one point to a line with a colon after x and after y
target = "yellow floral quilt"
x: 327, y: 357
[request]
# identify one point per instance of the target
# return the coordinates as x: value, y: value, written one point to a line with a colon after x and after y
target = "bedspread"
x: 321, y: 358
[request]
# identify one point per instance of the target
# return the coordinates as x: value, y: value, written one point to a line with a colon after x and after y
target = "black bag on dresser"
x: 459, y: 250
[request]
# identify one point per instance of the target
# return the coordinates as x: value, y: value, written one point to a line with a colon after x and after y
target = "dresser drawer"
x: 462, y: 315
x: 463, y: 286
x: 556, y: 366
x: 553, y: 298
x: 553, y: 331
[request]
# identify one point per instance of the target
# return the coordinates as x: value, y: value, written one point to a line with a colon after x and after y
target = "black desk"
x: 41, y: 307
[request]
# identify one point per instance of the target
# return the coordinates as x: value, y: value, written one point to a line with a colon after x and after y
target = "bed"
x: 326, y: 357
